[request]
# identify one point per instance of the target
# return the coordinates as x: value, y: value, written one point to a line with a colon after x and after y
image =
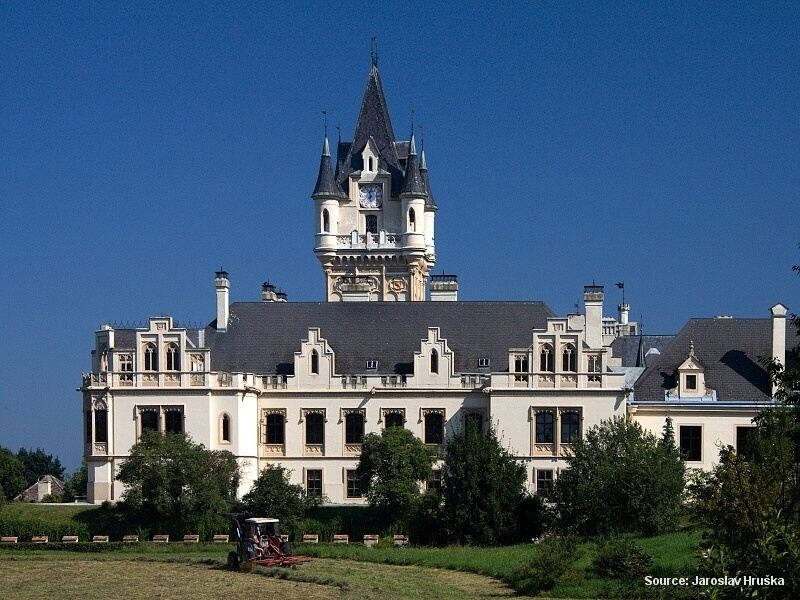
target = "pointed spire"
x: 373, y: 121
x: 641, y: 359
x: 430, y: 203
x: 326, y: 185
x: 413, y: 185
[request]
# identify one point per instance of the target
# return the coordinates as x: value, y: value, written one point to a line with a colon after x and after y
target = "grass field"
x: 197, y: 570
x: 123, y: 577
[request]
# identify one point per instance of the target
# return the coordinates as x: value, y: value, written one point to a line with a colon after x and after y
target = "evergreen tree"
x: 483, y: 486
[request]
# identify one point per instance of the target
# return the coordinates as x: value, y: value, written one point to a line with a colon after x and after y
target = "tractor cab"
x: 258, y: 542
x: 261, y: 528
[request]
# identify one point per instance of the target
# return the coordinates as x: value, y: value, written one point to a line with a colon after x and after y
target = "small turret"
x: 223, y: 287
x: 413, y: 185
x: 326, y: 186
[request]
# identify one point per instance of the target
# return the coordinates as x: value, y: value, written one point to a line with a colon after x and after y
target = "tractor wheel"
x: 233, y: 561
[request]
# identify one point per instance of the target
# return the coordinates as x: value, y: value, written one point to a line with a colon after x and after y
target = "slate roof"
x: 414, y: 184
x: 262, y: 337
x: 729, y: 349
x: 627, y: 347
x: 326, y: 182
x: 373, y: 121
x: 423, y: 169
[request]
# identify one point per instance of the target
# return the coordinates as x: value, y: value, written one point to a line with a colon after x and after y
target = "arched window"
x: 150, y: 357
x: 412, y: 220
x: 326, y: 221
x: 353, y: 428
x: 315, y: 428
x: 544, y: 428
x: 225, y: 429
x: 546, y: 358
x: 393, y: 419
x: 173, y: 357
x: 314, y: 362
x: 569, y: 359
x: 434, y: 361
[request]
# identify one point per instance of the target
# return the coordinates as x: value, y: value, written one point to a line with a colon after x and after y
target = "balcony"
x: 362, y: 241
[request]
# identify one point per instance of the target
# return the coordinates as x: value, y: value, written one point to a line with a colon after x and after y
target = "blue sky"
x: 144, y: 145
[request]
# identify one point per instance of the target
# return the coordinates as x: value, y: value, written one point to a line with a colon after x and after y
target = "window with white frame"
x: 544, y: 480
x: 173, y: 357
x: 353, y: 485
x: 166, y: 419
x: 225, y: 429
x: 569, y: 359
x: 593, y: 367
x: 314, y: 483
x: 434, y: 361
x: 520, y: 367
x: 314, y: 362
x: 150, y: 357
x: 546, y: 362
x: 354, y: 427
x: 274, y: 428
x: 126, y: 366
x: 544, y: 427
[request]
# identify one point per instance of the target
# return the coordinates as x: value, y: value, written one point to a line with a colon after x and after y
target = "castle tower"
x: 375, y: 213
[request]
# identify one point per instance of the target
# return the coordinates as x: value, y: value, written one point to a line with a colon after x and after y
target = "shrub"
x: 553, y: 559
x: 621, y: 558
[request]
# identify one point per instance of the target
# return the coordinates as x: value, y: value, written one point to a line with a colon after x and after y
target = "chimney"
x: 444, y: 288
x: 624, y: 309
x: 593, y: 302
x: 268, y: 292
x: 223, y: 285
x: 778, y: 313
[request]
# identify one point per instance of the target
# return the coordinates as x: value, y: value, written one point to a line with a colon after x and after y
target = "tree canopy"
x: 12, y: 474
x: 37, y: 463
x: 391, y: 467
x: 272, y: 495
x: 172, y: 477
x: 620, y: 479
x: 482, y: 487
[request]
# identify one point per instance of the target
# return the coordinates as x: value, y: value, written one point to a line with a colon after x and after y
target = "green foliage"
x: 26, y: 527
x: 12, y: 474
x: 620, y: 479
x: 272, y: 495
x: 621, y: 557
x: 37, y: 463
x: 482, y: 487
x: 552, y: 559
x: 174, y: 480
x: 390, y: 468
x: 75, y: 485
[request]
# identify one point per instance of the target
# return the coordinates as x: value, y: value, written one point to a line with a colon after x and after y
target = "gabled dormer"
x: 314, y: 364
x: 690, y: 379
x: 434, y: 364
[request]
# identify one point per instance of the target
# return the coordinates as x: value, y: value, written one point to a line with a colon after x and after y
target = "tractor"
x: 258, y: 542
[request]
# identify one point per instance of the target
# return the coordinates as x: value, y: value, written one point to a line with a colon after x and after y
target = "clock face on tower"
x: 370, y: 195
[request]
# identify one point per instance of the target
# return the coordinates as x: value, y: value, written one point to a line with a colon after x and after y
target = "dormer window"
x: 434, y: 362
x: 372, y: 365
x: 371, y: 164
x: 691, y: 382
x: 483, y: 363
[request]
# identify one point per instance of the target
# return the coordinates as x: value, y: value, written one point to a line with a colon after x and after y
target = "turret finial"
x: 374, y: 51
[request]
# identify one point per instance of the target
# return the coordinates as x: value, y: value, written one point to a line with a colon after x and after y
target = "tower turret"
x: 326, y: 196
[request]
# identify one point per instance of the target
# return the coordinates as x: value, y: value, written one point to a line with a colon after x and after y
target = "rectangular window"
x: 691, y: 382
x: 275, y: 428
x: 353, y: 428
x: 371, y: 223
x: 173, y: 421
x: 434, y: 428
x: 483, y: 363
x: 101, y: 426
x: 544, y: 480
x: 691, y: 438
x: 743, y: 439
x: 126, y: 367
x: 434, y: 484
x: 88, y: 427
x: 544, y: 427
x: 353, y: 489
x: 521, y: 367
x: 315, y: 428
x: 570, y: 427
x: 149, y: 420
x: 314, y: 483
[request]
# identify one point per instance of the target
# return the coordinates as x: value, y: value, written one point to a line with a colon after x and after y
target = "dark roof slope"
x: 730, y: 350
x: 373, y: 121
x: 627, y: 347
x: 326, y: 185
x: 263, y: 336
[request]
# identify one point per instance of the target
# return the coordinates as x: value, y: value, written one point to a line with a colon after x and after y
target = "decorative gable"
x: 691, y: 379
x: 314, y: 363
x: 434, y: 361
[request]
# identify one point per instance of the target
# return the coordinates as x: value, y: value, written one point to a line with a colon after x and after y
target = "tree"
x: 390, y: 470
x: 272, y: 495
x: 169, y: 476
x: 77, y: 482
x: 12, y: 474
x: 37, y: 463
x: 620, y: 479
x: 482, y: 487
